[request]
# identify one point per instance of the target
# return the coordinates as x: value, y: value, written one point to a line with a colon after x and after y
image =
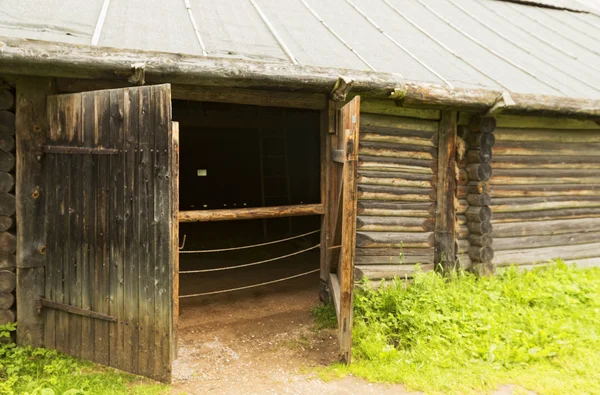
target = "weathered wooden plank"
x: 479, y: 214
x: 7, y: 118
x: 545, y: 162
x: 481, y: 254
x: 479, y: 155
x: 68, y: 150
x: 395, y: 251
x: 536, y: 241
x: 7, y: 300
x: 537, y: 148
x: 553, y: 227
x: 543, y: 215
x: 390, y: 107
x: 393, y: 259
x: 396, y: 179
x: 76, y: 310
x: 116, y: 230
x: 479, y: 171
x: 382, y: 163
x: 88, y: 198
x: 131, y: 274
x: 174, y: 330
x: 396, y: 209
x: 394, y: 239
x: 394, y: 224
x: 395, y: 122
x: 535, y: 255
x: 480, y: 228
x: 548, y: 135
x: 389, y: 193
x: 397, y: 136
x: 479, y: 124
x: 327, y: 120
x: 508, y: 205
x: 445, y: 219
x: 7, y: 260
x: 7, y: 182
x: 544, y: 190
x: 393, y: 150
x: 381, y: 272
x: 546, y: 122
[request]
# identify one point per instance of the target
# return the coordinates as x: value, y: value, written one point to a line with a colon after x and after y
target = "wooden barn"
x: 372, y: 136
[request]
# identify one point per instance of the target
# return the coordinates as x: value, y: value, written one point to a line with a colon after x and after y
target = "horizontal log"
x: 34, y: 57
x: 584, y: 262
x: 461, y: 219
x: 525, y: 242
x: 7, y: 316
x: 545, y: 162
x: 379, y: 192
x: 7, y: 161
x: 462, y: 231
x: 7, y: 300
x: 6, y: 222
x: 382, y: 163
x: 394, y: 122
x: 480, y: 141
x: 479, y: 156
x: 392, y: 259
x: 548, y: 173
x: 398, y: 136
x: 390, y: 107
x: 8, y: 242
x: 250, y: 213
x: 464, y: 261
x: 479, y: 172
x: 7, y: 203
x: 7, y: 122
x: 461, y: 206
x: 544, y: 254
x: 543, y: 179
x: 397, y: 209
x: 462, y: 179
x: 480, y: 228
x: 544, y: 149
x: 553, y: 227
x: 544, y: 190
x: 543, y: 122
x: 7, y: 99
x: 481, y: 240
x: 482, y: 199
x: 544, y: 215
x: 507, y: 205
x: 7, y: 260
x: 482, y: 124
x: 8, y: 281
x: 396, y: 179
x: 394, y: 251
x: 7, y: 182
x: 462, y: 246
x: 392, y: 150
x: 7, y: 142
x: 387, y: 272
x: 479, y: 214
x: 394, y: 224
x: 394, y: 239
x: 548, y: 135
x: 481, y: 254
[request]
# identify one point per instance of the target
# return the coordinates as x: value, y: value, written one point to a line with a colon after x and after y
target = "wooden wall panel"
x: 545, y: 191
x: 396, y: 195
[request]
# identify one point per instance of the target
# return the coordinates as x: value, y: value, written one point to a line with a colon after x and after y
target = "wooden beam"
x: 31, y: 126
x: 325, y: 178
x: 445, y: 219
x: 76, y: 310
x: 251, y: 213
x: 256, y: 97
x: 42, y: 58
x: 338, y: 155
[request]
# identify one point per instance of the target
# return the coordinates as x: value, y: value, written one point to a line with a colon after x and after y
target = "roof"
x: 488, y: 44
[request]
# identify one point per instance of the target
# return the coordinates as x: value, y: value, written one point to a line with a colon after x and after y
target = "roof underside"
x: 491, y: 44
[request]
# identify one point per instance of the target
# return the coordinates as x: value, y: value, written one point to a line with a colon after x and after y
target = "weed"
x: 324, y: 316
x: 539, y: 329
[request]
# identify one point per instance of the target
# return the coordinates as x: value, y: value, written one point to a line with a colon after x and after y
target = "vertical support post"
x: 31, y: 130
x: 327, y: 120
x: 175, y: 236
x: 445, y: 218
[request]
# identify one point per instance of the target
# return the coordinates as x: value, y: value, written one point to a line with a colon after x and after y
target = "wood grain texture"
x: 250, y: 213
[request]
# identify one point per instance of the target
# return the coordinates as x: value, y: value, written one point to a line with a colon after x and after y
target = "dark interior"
x: 240, y: 156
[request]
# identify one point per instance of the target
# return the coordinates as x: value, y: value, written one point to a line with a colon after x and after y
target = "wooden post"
x: 327, y: 122
x: 31, y: 129
x: 445, y: 219
x: 480, y: 139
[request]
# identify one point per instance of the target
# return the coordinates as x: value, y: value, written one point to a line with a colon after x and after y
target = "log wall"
x: 545, y: 192
x: 8, y: 242
x: 396, y: 194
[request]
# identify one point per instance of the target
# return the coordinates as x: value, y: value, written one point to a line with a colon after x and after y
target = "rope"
x: 250, y: 246
x: 250, y: 286
x: 218, y: 269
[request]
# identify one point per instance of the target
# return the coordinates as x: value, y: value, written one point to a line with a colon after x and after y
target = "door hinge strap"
x: 76, y: 310
x: 60, y: 149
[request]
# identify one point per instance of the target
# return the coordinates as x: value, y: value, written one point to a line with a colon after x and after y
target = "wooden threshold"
x: 251, y: 213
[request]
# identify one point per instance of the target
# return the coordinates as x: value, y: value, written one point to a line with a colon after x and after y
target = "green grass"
x: 538, y: 329
x: 30, y: 371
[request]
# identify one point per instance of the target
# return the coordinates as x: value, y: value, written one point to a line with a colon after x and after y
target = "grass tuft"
x: 539, y: 329
x: 324, y: 316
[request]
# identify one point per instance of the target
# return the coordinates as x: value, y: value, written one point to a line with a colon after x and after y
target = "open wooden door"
x: 109, y: 163
x: 344, y: 186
